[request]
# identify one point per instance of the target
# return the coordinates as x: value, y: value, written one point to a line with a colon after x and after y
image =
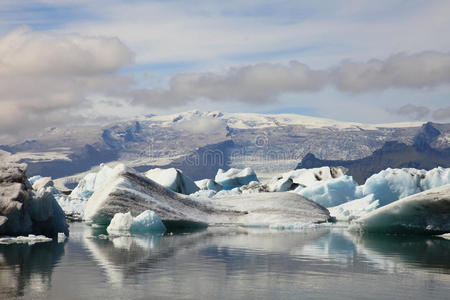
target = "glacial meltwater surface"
x: 228, y: 263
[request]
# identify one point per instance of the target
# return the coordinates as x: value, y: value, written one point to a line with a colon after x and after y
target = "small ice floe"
x: 30, y: 239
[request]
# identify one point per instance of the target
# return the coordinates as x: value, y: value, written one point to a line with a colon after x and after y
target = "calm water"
x: 228, y: 263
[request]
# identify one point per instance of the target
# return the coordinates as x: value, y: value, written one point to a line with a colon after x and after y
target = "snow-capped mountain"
x: 201, y: 142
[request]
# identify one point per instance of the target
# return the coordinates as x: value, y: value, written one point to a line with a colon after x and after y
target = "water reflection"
x: 430, y: 253
x: 229, y: 263
x: 27, y: 266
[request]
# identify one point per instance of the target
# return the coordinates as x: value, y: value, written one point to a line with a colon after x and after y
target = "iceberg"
x: 235, y: 177
x: 392, y: 184
x: 354, y: 209
x: 146, y: 222
x: 274, y: 210
x: 427, y: 212
x: 26, y: 209
x: 173, y: 179
x: 128, y: 191
x: 91, y: 182
x: 30, y: 239
x: 304, y: 177
x: 208, y: 184
x: 330, y: 193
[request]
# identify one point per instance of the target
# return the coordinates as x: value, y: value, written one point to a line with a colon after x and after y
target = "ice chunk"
x: 129, y: 191
x: 208, y: 184
x: 91, y: 182
x: 424, y: 213
x: 173, y: 179
x: 147, y: 221
x: 331, y: 192
x: 235, y: 177
x: 275, y: 210
x: 281, y: 184
x: 30, y: 239
x: 203, y: 194
x: 226, y: 193
x: 303, y: 178
x: 354, y: 209
x: 24, y: 210
x: 61, y: 237
x: 120, y: 222
x: 392, y: 184
x: 126, y: 190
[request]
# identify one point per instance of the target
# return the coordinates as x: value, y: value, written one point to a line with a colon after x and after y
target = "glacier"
x: 173, y: 179
x: 233, y: 177
x: 427, y: 212
x: 145, y: 222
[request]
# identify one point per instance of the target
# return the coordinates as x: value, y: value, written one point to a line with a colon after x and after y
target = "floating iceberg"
x: 392, y: 184
x: 25, y: 209
x: 274, y: 210
x: 424, y: 213
x: 354, y: 209
x: 30, y: 239
x: 235, y: 177
x: 330, y: 193
x: 146, y: 222
x: 173, y: 179
x: 208, y: 184
x: 385, y: 187
x: 91, y: 182
x: 304, y: 177
x: 128, y: 191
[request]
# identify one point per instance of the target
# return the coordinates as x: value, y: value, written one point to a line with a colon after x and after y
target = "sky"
x: 66, y: 62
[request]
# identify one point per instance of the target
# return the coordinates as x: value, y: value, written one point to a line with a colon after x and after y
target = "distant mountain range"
x: 201, y: 142
x: 393, y: 154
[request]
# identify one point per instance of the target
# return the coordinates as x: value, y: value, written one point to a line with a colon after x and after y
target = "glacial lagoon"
x: 228, y: 263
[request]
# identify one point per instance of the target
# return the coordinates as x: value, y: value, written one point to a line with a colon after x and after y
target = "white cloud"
x: 412, y: 111
x: 27, y: 52
x: 442, y: 114
x: 44, y: 76
x: 425, y: 69
x: 266, y: 82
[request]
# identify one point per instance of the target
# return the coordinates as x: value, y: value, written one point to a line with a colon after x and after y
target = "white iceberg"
x: 145, y: 222
x: 173, y: 179
x: 203, y: 194
x: 25, y: 209
x: 304, y: 177
x: 392, y: 184
x: 91, y: 182
x: 423, y: 213
x: 331, y: 192
x: 354, y: 209
x: 274, y: 210
x: 30, y: 239
x: 208, y: 184
x: 233, y: 178
x: 127, y: 190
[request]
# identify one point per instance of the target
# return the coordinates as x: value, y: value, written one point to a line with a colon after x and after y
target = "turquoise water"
x: 228, y: 263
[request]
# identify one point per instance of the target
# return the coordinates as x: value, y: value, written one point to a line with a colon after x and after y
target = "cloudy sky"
x: 78, y: 61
